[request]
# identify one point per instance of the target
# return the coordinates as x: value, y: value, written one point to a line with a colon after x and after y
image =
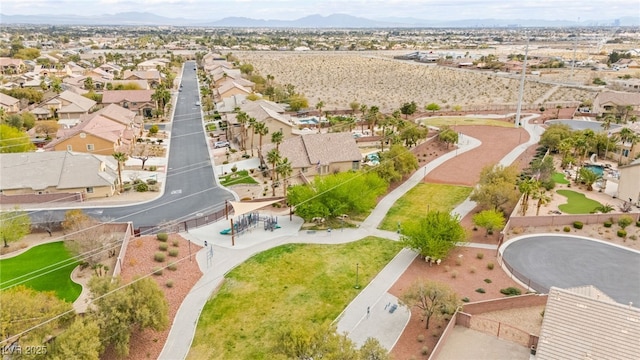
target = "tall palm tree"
x: 120, y: 158
x: 277, y: 138
x: 626, y: 136
x: 527, y: 187
x: 542, y: 197
x: 319, y: 107
x: 162, y: 97
x: 242, y: 119
x: 252, y: 126
x: 284, y: 169
x: 273, y: 158
x: 261, y: 129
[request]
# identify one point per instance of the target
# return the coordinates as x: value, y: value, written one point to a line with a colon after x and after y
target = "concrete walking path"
x: 367, y: 315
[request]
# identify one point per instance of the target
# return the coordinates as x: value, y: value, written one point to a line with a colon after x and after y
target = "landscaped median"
x: 281, y: 288
x: 45, y: 267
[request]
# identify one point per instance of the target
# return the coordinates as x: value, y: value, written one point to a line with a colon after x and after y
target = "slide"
x: 225, y: 231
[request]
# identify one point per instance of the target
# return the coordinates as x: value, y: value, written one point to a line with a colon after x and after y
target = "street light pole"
x: 357, y: 286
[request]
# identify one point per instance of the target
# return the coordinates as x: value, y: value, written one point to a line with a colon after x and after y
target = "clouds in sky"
x: 373, y: 9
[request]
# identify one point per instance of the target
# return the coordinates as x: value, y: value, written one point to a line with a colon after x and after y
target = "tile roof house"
x: 97, y: 133
x: 268, y: 112
x: 319, y: 154
x: 57, y: 172
x: 152, y: 64
x: 585, y: 323
x: 69, y: 105
x: 153, y: 77
x: 135, y: 100
x: 608, y: 101
x: 123, y: 116
x: 10, y: 66
x: 230, y: 88
x: 9, y: 104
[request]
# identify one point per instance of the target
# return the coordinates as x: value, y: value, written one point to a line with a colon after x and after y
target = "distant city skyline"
x: 569, y: 10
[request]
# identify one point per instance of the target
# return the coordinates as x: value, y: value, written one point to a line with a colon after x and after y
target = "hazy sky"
x: 373, y: 9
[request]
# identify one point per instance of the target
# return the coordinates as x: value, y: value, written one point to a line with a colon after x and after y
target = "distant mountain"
x: 311, y: 21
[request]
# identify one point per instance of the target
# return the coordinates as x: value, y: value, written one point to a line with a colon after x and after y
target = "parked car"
x: 221, y: 144
x: 197, y: 103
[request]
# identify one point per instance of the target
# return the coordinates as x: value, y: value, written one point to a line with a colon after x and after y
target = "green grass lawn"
x: 454, y: 120
x: 295, y: 283
x: 239, y: 177
x: 423, y: 197
x: 577, y: 203
x: 51, y: 263
x: 559, y: 178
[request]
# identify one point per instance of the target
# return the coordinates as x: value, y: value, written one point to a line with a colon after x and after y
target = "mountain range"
x: 311, y: 21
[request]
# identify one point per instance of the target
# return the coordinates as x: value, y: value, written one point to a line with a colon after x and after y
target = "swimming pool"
x: 597, y: 169
x: 308, y: 121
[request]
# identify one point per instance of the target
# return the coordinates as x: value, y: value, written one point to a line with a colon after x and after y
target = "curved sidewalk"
x: 354, y: 318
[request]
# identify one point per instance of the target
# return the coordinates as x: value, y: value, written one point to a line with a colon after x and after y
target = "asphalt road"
x: 190, y: 189
x: 564, y: 262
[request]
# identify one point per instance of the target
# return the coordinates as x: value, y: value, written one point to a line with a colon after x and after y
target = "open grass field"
x: 48, y: 266
x: 420, y: 199
x: 455, y: 120
x: 577, y: 203
x: 294, y: 283
x: 559, y: 178
x: 239, y: 177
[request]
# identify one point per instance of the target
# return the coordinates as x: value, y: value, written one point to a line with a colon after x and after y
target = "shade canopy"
x: 240, y: 208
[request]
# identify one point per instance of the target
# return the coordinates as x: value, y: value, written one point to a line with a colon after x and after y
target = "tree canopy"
x: 431, y: 298
x: 13, y: 140
x: 497, y: 187
x: 433, y: 235
x: 333, y: 195
x: 14, y: 225
x: 489, y: 220
x: 396, y: 163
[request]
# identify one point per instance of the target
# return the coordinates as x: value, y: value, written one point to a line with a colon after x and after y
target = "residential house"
x: 221, y: 74
x: 10, y: 66
x: 626, y: 64
x: 69, y: 105
x: 609, y: 102
x: 97, y: 134
x: 267, y: 112
x: 124, y: 116
x: 76, y: 70
x: 626, y: 84
x: 629, y: 182
x: 9, y: 104
x: 153, y: 77
x: 230, y: 88
x: 116, y: 84
x: 99, y: 73
x: 56, y: 172
x: 153, y: 64
x: 138, y: 101
x: 230, y: 103
x: 113, y: 69
x: 585, y: 323
x: 318, y: 154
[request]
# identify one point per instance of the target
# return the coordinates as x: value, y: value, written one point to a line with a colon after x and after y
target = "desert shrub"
x: 163, y: 247
x: 157, y: 271
x: 153, y: 167
x: 420, y: 338
x: 488, y: 281
x: 625, y: 221
x: 173, y: 252
x: 510, y: 291
x: 490, y: 266
x: 173, y: 267
x: 175, y: 243
x: 472, y: 269
x: 479, y: 256
x: 152, y: 181
x: 566, y: 229
x: 142, y: 187
x: 169, y: 283
x: 608, y: 224
x: 162, y: 237
x: 622, y: 233
x: 633, y: 237
x: 159, y: 257
x: 578, y: 224
x: 447, y: 268
x: 465, y: 299
x: 454, y: 274
x: 425, y: 350
x: 480, y: 290
x: 458, y: 261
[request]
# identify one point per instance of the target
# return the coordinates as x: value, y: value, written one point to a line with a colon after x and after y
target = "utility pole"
x: 521, y: 93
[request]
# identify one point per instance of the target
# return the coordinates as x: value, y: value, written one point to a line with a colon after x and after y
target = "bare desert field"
x: 375, y: 78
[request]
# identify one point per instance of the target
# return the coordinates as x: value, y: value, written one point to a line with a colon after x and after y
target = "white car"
x: 197, y: 103
x: 221, y: 144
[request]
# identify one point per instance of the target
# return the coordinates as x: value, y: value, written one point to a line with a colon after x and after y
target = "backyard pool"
x: 597, y: 169
x: 309, y: 121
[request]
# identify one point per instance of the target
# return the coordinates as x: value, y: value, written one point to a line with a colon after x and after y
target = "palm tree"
x: 588, y: 177
x: 161, y: 96
x: 88, y: 83
x: 284, y: 169
x: 273, y: 158
x: 252, y: 125
x: 354, y: 105
x: 319, y: 106
x: 626, y: 136
x: 542, y: 197
x: 277, y: 138
x: 242, y: 119
x: 120, y: 158
x: 261, y: 129
x: 527, y: 187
